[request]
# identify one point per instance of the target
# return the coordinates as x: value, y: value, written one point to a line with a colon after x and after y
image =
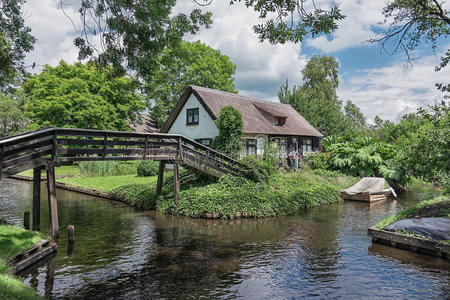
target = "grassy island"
x: 14, y: 240
x: 436, y: 207
x: 277, y: 193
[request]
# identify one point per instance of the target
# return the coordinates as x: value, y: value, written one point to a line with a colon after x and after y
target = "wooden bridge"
x: 46, y: 149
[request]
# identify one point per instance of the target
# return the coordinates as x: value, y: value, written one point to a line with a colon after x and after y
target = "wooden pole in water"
x: 37, y: 198
x: 159, y: 184
x: 52, y: 204
x: 71, y: 239
x: 71, y: 233
x: 26, y: 220
x: 176, y: 182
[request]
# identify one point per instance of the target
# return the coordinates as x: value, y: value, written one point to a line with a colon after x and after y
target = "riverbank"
x: 229, y: 197
x: 14, y: 240
x: 233, y: 197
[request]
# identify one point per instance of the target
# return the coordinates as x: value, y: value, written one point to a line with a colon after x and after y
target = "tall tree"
x: 12, y: 116
x: 191, y: 63
x: 316, y: 100
x: 354, y: 118
x: 15, y: 41
x: 81, y: 96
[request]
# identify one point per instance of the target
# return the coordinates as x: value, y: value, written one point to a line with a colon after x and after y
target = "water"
x: 324, y: 253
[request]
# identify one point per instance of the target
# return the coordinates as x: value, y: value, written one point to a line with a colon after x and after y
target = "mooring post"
x: 53, y: 207
x: 37, y: 198
x: 71, y: 239
x: 176, y: 182
x: 26, y: 220
x: 159, y: 184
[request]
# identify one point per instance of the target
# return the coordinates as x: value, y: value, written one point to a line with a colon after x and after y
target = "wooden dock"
x: 31, y: 256
x: 410, y: 242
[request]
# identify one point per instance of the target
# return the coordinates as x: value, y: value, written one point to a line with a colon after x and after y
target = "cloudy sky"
x: 377, y: 82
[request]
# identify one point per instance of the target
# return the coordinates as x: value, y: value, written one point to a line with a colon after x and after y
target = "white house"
x: 194, y: 114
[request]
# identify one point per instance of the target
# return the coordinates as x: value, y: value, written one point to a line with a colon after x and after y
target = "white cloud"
x: 393, y: 91
x: 389, y: 91
x: 53, y: 31
x: 261, y: 67
x: 355, y: 29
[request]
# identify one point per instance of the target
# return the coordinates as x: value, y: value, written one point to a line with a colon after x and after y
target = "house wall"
x: 206, y: 127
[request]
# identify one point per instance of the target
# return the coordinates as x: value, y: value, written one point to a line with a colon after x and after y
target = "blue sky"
x: 377, y: 82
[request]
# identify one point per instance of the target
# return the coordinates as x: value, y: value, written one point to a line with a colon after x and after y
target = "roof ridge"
x: 196, y: 87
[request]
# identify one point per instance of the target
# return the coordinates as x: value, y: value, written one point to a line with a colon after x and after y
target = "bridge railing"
x: 56, y: 145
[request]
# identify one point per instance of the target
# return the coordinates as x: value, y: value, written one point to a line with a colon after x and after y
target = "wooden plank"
x: 20, y: 168
x: 118, y: 158
x: 22, y: 146
x: 176, y: 183
x: 29, y: 158
x: 105, y: 140
x: 28, y: 260
x: 26, y: 137
x: 37, y: 198
x: 52, y: 204
x: 2, y: 155
x: 14, y: 155
x: 78, y: 142
x: 159, y: 184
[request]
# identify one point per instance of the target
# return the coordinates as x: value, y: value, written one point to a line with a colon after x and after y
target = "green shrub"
x: 147, y: 168
x: 231, y: 197
x: 446, y: 185
x: 230, y: 126
x: 106, y: 168
x: 137, y: 195
x: 316, y: 160
x: 255, y: 169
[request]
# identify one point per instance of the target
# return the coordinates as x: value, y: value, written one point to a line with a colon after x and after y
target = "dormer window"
x: 279, y: 121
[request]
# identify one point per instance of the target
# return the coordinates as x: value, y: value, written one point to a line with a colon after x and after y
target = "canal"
x: 325, y: 252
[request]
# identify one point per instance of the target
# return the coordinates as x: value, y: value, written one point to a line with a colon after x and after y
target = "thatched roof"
x: 257, y: 115
x: 144, y: 123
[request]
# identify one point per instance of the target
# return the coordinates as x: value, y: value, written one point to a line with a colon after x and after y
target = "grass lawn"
x: 62, y: 170
x: 12, y: 241
x: 436, y: 207
x: 107, y: 183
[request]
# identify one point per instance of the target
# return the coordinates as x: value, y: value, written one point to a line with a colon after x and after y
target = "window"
x: 205, y: 142
x: 276, y: 121
x: 282, y: 146
x: 307, y: 145
x: 279, y: 121
x: 192, y: 116
x: 249, y: 147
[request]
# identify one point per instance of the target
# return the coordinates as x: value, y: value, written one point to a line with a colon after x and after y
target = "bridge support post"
x: 37, y: 198
x: 53, y: 207
x: 176, y: 182
x: 159, y: 184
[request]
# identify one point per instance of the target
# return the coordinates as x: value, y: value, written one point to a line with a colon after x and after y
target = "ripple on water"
x: 323, y: 253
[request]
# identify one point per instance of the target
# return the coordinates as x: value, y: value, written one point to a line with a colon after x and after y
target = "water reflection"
x: 324, y: 252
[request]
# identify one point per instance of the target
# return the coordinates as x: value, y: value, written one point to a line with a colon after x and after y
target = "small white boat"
x: 369, y: 189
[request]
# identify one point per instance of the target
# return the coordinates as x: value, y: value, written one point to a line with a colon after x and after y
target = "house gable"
x: 206, y: 128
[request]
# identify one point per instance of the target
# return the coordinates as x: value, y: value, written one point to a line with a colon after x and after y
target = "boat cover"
x: 432, y: 228
x: 371, y: 186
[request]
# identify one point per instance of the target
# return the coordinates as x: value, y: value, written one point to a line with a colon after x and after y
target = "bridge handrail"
x: 27, y: 147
